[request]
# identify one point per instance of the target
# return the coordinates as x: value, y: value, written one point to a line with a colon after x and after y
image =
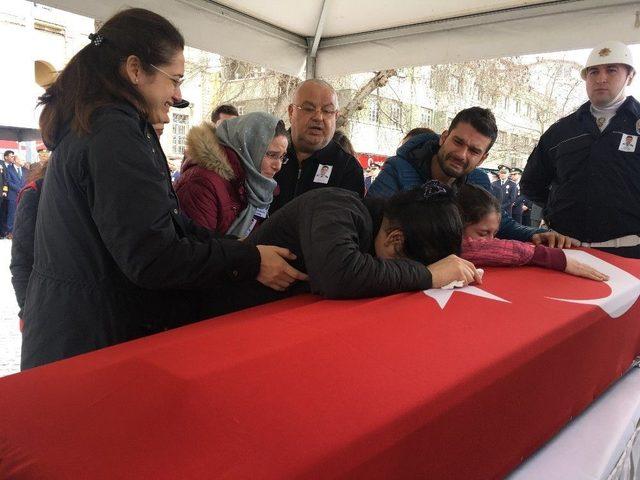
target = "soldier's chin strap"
x: 621, y: 94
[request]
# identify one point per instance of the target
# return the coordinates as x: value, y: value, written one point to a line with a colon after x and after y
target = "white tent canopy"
x: 346, y: 36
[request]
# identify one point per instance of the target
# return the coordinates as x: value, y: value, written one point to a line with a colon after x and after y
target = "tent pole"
x: 311, y: 66
x: 313, y: 42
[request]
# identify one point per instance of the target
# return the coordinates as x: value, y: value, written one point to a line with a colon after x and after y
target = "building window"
x: 506, y: 103
x: 240, y: 109
x: 502, y: 137
x: 179, y: 131
x: 518, y: 106
x: 396, y: 112
x: 373, y: 111
x: 426, y: 117
x: 456, y: 85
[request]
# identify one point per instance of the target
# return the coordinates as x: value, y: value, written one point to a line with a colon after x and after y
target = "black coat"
x: 332, y: 232
x: 114, y: 259
x: 295, y: 179
x: 588, y: 184
x: 4, y: 201
x: 22, y: 244
x: 4, y: 187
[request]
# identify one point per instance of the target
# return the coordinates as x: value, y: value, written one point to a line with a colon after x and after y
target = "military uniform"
x: 4, y: 202
x: 589, y: 180
x: 506, y: 192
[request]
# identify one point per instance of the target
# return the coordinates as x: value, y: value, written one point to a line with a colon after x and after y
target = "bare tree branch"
x: 356, y: 103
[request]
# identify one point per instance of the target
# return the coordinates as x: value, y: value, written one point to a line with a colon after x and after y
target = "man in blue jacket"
x: 16, y: 179
x: 452, y: 159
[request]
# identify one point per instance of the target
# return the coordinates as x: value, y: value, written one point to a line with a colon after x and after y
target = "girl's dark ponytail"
x: 429, y: 219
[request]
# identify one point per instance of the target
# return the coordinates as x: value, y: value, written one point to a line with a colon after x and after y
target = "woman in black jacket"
x: 114, y: 259
x: 353, y: 248
x: 23, y: 233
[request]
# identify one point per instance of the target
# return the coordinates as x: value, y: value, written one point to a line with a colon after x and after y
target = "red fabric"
x: 494, y: 252
x: 549, y: 258
x: 207, y: 198
x: 9, y: 145
x: 363, y: 159
x: 387, y: 388
x: 28, y: 186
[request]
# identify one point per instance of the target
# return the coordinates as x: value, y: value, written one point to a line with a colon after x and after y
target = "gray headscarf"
x: 249, y: 136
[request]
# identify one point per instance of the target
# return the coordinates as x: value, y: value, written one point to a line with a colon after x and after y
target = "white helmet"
x: 606, y: 53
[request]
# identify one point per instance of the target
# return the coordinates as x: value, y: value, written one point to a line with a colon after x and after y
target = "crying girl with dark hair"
x: 480, y: 213
x: 353, y: 248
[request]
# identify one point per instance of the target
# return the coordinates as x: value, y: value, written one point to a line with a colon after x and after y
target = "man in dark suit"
x: 504, y: 189
x: 16, y: 178
x: 4, y: 191
x: 520, y: 204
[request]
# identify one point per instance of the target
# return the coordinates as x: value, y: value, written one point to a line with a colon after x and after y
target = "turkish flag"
x: 462, y: 384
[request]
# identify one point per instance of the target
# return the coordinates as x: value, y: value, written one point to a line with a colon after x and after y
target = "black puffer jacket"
x: 332, y: 232
x: 114, y: 259
x: 22, y: 245
x: 588, y: 182
x: 294, y: 178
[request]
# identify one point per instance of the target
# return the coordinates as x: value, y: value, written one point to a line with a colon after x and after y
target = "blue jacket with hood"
x: 411, y: 167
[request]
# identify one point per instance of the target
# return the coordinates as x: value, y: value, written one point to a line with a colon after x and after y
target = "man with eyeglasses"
x: 312, y: 115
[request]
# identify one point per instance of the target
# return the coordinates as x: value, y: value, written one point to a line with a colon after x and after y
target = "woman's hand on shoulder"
x: 275, y: 271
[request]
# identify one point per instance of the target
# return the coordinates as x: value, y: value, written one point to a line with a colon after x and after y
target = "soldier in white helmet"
x: 585, y: 171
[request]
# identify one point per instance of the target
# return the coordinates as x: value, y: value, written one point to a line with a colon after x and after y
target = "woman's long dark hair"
x: 94, y: 77
x: 429, y: 220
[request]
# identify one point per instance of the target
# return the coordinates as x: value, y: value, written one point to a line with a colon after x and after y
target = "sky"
x: 580, y: 56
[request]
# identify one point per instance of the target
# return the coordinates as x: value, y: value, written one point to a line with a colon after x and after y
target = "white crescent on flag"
x: 625, y: 288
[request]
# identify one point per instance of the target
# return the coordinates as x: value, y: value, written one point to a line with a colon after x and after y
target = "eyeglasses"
x: 177, y: 82
x: 310, y: 110
x: 275, y: 156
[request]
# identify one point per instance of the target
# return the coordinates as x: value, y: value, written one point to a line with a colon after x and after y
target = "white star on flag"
x: 443, y: 296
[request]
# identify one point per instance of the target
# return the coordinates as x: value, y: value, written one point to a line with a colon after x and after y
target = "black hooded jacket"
x: 296, y: 178
x: 113, y: 257
x: 332, y: 232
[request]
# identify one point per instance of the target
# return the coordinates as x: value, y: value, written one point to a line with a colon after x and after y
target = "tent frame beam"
x: 312, y: 45
x: 515, y: 13
x: 254, y: 23
x: 314, y: 42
